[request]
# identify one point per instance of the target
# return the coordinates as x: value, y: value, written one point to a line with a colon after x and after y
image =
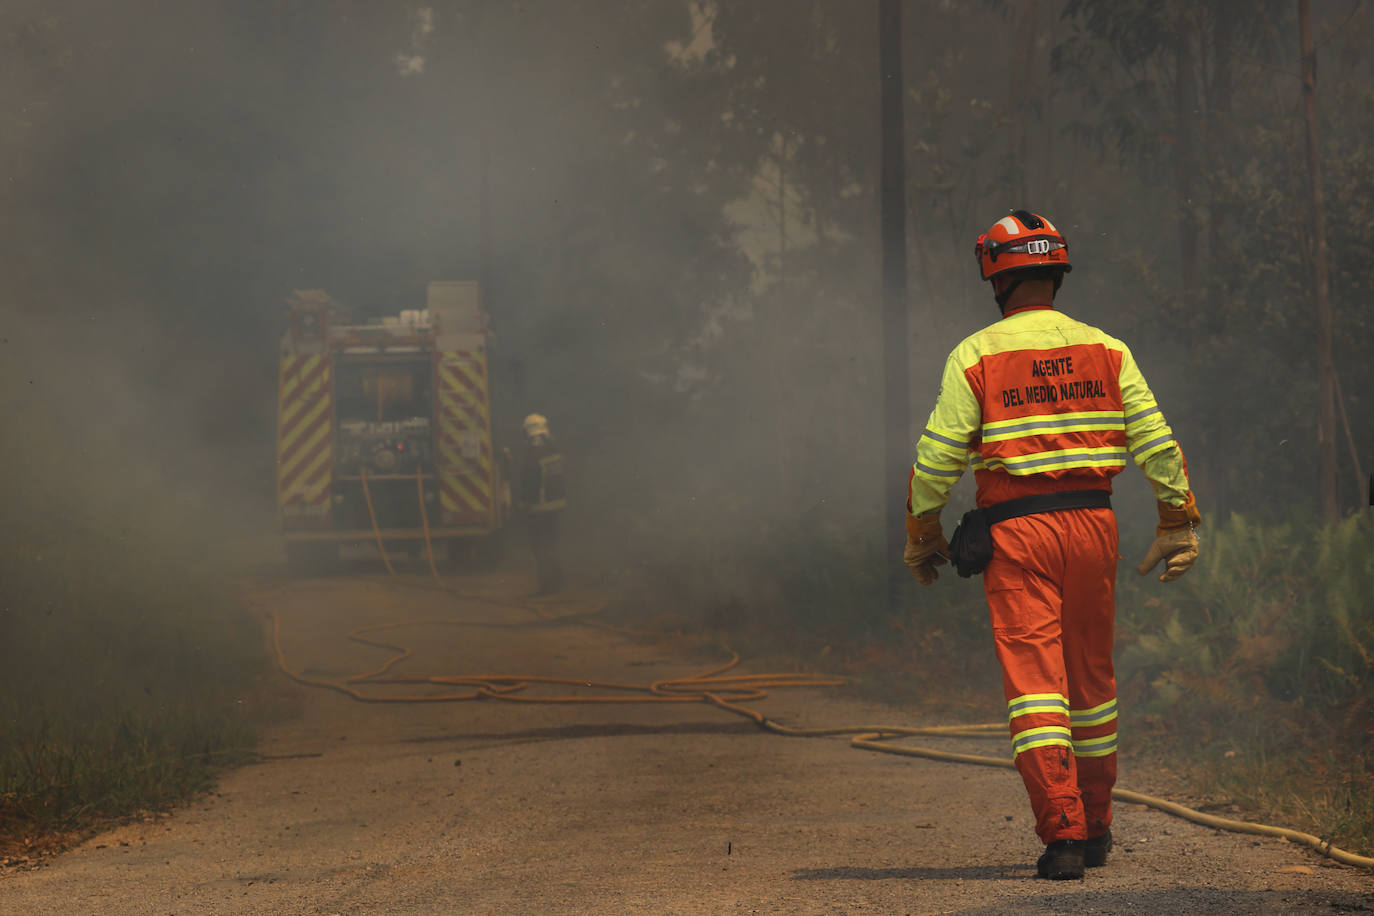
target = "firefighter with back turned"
x: 1048, y: 410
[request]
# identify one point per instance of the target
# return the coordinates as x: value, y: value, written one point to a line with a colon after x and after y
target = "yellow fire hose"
x: 381, y: 548
x: 872, y: 738
x: 726, y: 692
x: 424, y: 519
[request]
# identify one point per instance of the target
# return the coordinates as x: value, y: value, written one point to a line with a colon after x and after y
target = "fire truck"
x: 384, y: 429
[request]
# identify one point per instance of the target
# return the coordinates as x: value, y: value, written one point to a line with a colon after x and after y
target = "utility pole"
x: 483, y: 212
x: 483, y: 109
x: 897, y: 455
x: 1326, y: 369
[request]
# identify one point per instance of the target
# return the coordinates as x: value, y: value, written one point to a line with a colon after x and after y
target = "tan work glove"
x: 1175, y: 541
x: 925, y: 547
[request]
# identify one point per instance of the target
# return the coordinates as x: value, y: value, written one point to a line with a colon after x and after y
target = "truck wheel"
x: 490, y: 551
x: 311, y: 558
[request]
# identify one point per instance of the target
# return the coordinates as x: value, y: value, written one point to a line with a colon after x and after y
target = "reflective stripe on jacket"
x: 1038, y: 403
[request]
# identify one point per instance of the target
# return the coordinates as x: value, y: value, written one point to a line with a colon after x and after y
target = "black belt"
x: 1048, y: 502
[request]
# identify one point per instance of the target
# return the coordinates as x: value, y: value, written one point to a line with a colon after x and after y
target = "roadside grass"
x: 128, y: 681
x: 60, y: 774
x: 1272, y: 772
x: 123, y: 653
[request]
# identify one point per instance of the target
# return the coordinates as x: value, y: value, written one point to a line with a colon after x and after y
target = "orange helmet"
x: 1021, y: 241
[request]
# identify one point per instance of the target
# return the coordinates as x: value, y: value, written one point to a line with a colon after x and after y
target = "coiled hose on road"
x: 718, y: 689
x: 724, y: 691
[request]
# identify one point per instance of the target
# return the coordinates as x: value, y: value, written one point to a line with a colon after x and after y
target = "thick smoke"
x: 672, y: 205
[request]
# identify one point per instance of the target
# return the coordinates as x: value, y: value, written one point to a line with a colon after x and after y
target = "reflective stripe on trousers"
x: 1051, y: 595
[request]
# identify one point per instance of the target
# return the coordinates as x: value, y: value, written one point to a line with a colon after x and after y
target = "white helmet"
x: 536, y: 425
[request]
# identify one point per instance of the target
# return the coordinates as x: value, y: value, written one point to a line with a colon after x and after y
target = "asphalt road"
x: 489, y: 807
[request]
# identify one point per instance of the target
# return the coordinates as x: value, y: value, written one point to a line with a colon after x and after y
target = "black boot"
x: 1095, y: 850
x: 1061, y: 861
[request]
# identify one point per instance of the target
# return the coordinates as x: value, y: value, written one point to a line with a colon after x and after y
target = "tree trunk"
x: 785, y: 451
x: 1326, y: 434
x: 893, y: 219
x: 1185, y: 157
x: 1218, y: 128
x: 1217, y: 132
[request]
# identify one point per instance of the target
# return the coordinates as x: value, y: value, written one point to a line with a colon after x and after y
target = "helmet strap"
x: 1004, y: 295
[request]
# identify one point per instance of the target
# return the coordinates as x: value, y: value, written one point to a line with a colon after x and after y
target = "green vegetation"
x: 123, y: 686
x: 1257, y: 671
x: 1271, y: 615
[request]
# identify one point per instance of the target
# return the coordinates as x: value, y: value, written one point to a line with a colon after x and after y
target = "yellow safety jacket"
x: 542, y: 487
x: 1040, y: 403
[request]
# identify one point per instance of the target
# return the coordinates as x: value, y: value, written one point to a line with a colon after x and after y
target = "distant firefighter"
x: 1048, y: 410
x: 541, y: 496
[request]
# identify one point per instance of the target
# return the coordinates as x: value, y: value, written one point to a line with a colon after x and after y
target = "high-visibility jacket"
x: 1040, y: 403
x: 542, y: 487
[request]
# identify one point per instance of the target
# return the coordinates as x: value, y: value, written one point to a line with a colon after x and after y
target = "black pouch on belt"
x: 970, y: 547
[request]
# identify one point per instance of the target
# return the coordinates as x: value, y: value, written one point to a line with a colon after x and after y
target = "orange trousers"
x: 1051, y: 589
